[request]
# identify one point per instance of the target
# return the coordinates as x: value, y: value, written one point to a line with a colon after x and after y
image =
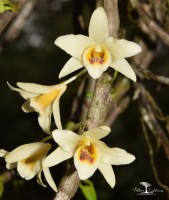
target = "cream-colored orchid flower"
x: 98, y: 51
x: 89, y: 153
x: 42, y: 99
x: 28, y: 159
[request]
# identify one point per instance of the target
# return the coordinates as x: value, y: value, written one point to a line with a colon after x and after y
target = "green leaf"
x: 88, y: 190
x: 115, y: 75
x: 7, y: 5
x: 89, y: 94
x: 1, y: 188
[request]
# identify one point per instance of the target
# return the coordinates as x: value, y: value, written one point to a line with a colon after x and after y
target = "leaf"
x: 88, y: 190
x: 89, y: 94
x: 115, y: 75
x: 7, y: 5
x: 1, y: 187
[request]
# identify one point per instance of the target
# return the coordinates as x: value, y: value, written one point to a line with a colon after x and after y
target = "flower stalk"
x: 74, y: 77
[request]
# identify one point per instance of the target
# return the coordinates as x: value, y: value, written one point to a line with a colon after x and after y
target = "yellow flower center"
x: 45, y: 99
x: 87, y: 152
x: 30, y: 162
x: 96, y: 55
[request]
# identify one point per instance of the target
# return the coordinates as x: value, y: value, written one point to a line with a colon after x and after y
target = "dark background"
x: 33, y: 57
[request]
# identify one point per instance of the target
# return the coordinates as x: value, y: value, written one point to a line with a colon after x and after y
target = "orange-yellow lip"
x: 45, y: 99
x: 87, y: 152
x: 96, y: 56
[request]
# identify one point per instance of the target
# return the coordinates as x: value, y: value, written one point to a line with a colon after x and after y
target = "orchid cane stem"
x: 70, y: 182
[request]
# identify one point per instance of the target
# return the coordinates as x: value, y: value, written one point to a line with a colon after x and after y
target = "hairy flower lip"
x: 78, y: 47
x: 96, y: 56
x: 86, y: 151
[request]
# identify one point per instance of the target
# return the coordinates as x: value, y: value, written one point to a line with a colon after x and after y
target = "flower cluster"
x: 96, y: 53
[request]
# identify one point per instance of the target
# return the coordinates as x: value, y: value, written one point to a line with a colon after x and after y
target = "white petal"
x: 44, y: 119
x: 25, y: 170
x: 115, y: 156
x: 26, y: 150
x: 56, y: 113
x: 98, y: 133
x: 74, y: 44
x: 27, y: 95
x: 13, y: 88
x: 72, y: 65
x: 37, y: 88
x: 123, y: 67
x: 68, y: 140
x: 122, y: 48
x: 39, y: 179
x: 86, y: 161
x: 98, y: 27
x: 96, y: 72
x: 38, y: 164
x: 108, y: 173
x: 11, y: 165
x: 3, y: 153
x: 43, y: 104
x: 26, y: 107
x: 49, y: 178
x: 23, y: 93
x: 56, y: 109
x: 56, y: 157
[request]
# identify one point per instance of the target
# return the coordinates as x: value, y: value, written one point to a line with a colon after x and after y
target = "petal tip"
x: 134, y: 78
x: 132, y: 158
x: 60, y: 75
x: 106, y: 128
x: 56, y: 42
x: 112, y: 184
x: 100, y: 9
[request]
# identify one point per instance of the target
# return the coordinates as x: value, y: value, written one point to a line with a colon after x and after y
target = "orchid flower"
x: 89, y: 153
x: 44, y: 100
x: 28, y: 159
x: 98, y: 51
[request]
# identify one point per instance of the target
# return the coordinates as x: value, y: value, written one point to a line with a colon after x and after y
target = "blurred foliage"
x: 88, y: 190
x: 8, y: 5
x: 1, y: 185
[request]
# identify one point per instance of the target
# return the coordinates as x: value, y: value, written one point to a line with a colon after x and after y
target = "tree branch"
x: 151, y: 121
x: 69, y: 184
x: 7, y: 16
x: 151, y: 153
x: 101, y: 94
x: 20, y: 20
x: 18, y: 23
x: 147, y: 74
x: 101, y: 101
x: 152, y: 25
x: 111, y: 8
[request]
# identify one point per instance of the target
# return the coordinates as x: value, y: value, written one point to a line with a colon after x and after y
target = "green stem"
x: 74, y: 77
x: 46, y: 139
